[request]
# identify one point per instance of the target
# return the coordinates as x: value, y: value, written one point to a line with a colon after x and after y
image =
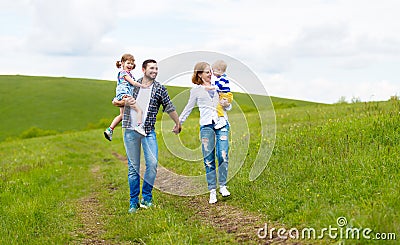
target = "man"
x: 149, y: 99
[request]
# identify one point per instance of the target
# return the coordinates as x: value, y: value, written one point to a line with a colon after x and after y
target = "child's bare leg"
x: 139, y: 114
x: 117, y: 119
x: 140, y: 126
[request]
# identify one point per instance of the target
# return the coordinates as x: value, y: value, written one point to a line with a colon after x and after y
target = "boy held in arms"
x: 223, y: 89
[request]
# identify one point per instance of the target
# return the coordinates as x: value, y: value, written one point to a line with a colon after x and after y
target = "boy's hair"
x: 124, y: 58
x: 198, y: 68
x: 144, y: 65
x: 220, y: 64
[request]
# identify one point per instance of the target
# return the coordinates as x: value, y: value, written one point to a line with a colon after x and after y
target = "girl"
x: 123, y: 90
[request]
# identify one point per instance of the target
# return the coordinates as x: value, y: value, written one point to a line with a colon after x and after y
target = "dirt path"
x: 243, y: 225
x: 88, y: 212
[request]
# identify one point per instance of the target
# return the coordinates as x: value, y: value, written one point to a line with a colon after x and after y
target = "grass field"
x: 32, y: 106
x: 329, y: 161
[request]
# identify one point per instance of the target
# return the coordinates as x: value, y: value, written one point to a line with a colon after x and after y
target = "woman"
x: 214, y: 141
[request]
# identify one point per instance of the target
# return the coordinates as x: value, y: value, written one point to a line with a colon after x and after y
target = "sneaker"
x: 146, y: 204
x: 133, y: 208
x: 221, y: 123
x: 108, y: 134
x: 213, y: 196
x: 140, y: 130
x: 224, y: 191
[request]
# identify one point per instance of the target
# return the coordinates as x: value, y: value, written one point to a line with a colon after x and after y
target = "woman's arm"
x: 189, y: 106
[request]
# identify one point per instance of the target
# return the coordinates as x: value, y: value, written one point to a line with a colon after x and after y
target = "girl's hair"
x: 198, y: 69
x: 124, y: 58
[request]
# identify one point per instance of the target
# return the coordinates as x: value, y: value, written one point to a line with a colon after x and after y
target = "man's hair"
x: 220, y: 64
x: 144, y: 65
x: 198, y: 68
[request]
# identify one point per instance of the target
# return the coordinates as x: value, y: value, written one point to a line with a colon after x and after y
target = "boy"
x: 223, y: 89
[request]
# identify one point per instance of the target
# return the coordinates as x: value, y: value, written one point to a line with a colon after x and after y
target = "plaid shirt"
x: 159, y: 96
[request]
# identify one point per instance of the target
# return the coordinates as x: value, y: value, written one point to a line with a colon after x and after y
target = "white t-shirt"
x: 143, y: 101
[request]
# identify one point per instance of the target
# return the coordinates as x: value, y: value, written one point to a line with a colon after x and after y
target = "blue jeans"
x: 215, y: 141
x: 133, y: 141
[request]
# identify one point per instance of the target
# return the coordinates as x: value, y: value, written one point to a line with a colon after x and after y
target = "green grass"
x: 329, y: 161
x: 43, y: 179
x: 39, y: 106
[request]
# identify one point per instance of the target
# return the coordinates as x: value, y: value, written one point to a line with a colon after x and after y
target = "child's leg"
x: 229, y: 97
x: 139, y: 113
x: 139, y: 128
x: 117, y: 119
x: 220, y: 110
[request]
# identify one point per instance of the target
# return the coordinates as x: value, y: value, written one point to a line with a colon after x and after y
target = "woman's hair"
x: 124, y: 58
x: 198, y: 69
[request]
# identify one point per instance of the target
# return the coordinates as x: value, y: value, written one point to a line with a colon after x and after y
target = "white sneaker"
x: 224, y: 191
x: 108, y: 134
x: 140, y: 130
x: 213, y: 196
x: 221, y: 123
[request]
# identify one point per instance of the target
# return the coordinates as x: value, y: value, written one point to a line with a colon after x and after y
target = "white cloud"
x: 313, y: 49
x: 69, y: 27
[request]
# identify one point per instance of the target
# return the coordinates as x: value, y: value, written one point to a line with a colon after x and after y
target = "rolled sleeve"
x: 166, y: 102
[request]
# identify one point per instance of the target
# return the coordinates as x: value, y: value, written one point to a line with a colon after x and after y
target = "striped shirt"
x: 159, y: 96
x: 222, y: 84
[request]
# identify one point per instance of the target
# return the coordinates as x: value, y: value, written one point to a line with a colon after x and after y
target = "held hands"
x: 177, y: 128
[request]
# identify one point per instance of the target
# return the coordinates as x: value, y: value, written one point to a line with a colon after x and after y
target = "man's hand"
x: 130, y: 101
x: 127, y: 100
x: 119, y: 103
x: 177, y: 128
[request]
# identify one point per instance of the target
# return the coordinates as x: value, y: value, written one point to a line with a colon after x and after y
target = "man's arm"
x: 178, y: 127
x: 127, y: 101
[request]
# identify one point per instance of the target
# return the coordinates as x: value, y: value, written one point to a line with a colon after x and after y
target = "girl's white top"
x: 207, y: 105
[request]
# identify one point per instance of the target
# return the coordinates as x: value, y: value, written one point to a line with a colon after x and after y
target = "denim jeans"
x: 133, y: 142
x: 215, y: 142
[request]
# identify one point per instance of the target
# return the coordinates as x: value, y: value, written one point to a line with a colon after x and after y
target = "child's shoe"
x: 221, y: 123
x: 140, y: 129
x: 108, y: 134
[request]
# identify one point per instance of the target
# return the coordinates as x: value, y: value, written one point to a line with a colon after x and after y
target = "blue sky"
x: 316, y: 50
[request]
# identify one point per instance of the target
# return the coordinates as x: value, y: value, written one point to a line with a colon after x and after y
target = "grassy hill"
x: 329, y: 162
x: 46, y: 105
